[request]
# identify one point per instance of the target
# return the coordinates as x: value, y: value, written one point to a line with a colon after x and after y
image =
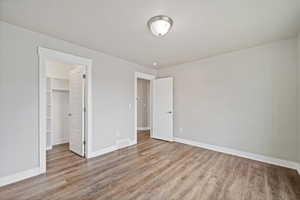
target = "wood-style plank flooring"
x: 156, y: 170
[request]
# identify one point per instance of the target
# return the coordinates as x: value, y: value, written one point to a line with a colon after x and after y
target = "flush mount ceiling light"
x: 160, y: 25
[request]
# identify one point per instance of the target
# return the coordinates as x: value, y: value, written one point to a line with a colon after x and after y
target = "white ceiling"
x: 201, y: 28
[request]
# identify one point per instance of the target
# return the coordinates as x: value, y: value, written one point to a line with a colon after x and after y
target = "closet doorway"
x: 65, y: 105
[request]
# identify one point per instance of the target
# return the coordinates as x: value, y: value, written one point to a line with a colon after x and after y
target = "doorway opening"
x: 143, y: 110
x: 143, y: 106
x: 64, y: 105
x: 160, y: 113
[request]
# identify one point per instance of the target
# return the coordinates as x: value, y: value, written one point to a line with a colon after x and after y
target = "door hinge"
x: 83, y: 76
x: 83, y: 142
x: 84, y: 109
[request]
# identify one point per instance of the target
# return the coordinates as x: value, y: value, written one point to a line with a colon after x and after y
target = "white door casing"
x: 163, y: 109
x: 77, y: 114
x: 46, y: 54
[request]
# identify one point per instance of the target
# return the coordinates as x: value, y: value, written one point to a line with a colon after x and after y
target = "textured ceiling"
x: 201, y: 28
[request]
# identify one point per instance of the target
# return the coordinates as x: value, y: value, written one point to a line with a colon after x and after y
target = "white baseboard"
x: 122, y: 143
x: 261, y: 158
x: 60, y: 141
x: 37, y: 171
x: 143, y: 128
x: 102, y: 151
x: 119, y: 145
x: 20, y: 176
x: 127, y: 142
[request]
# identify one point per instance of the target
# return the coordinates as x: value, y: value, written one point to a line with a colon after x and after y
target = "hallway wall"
x: 143, y: 105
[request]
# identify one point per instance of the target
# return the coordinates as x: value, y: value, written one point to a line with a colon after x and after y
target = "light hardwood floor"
x: 156, y: 170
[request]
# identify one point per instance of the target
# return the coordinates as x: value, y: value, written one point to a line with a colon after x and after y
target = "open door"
x: 77, y: 108
x: 163, y: 109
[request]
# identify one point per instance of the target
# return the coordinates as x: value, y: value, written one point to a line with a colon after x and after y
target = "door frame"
x: 49, y: 54
x: 151, y: 78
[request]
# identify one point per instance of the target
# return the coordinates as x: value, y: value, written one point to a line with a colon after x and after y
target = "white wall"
x: 60, y: 117
x: 59, y: 84
x: 60, y: 108
x: 113, y: 91
x: 58, y: 70
x: 59, y: 120
x: 143, y: 103
x: 243, y: 100
x: 57, y: 111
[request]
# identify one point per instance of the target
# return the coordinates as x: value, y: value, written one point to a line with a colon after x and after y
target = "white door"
x: 76, y: 135
x: 163, y: 109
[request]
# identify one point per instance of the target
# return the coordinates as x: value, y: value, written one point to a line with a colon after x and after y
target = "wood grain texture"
x: 155, y: 170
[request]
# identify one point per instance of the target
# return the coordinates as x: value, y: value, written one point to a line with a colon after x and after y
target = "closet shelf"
x: 61, y: 89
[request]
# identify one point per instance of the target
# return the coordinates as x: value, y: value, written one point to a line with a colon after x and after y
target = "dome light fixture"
x: 154, y: 63
x: 160, y: 25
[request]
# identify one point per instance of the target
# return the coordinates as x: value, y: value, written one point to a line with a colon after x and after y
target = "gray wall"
x: 299, y: 100
x: 244, y: 100
x: 113, y: 91
x: 143, y: 104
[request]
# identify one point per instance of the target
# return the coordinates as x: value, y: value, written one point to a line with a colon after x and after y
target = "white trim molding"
x: 20, y: 176
x: 143, y: 128
x: 298, y: 169
x: 120, y: 144
x: 144, y: 76
x: 49, y: 148
x: 252, y: 156
x: 103, y: 151
x: 61, y: 56
x: 49, y: 54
